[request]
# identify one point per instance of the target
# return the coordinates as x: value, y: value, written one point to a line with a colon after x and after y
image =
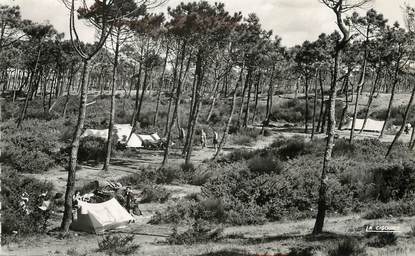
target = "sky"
x: 293, y: 20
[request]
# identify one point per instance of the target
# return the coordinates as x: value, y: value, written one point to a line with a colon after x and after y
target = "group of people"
x: 42, y: 209
x: 203, y: 138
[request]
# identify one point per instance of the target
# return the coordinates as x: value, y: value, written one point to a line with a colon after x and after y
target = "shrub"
x: 116, y: 244
x: 188, y: 210
x: 264, y: 164
x: 34, y: 147
x: 13, y: 217
x: 200, y: 178
x: 380, y: 240
x: 393, y: 208
x: 294, y: 148
x: 308, y: 251
x: 95, y: 148
x: 168, y: 174
x: 199, y: 232
x: 189, y: 167
x: 347, y: 247
x: 154, y: 194
x: 242, y: 140
x: 92, y: 148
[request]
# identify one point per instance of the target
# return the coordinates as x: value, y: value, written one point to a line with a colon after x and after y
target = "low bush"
x: 347, y: 247
x: 186, y: 211
x: 14, y: 218
x: 95, y: 148
x: 156, y: 194
x: 391, y: 209
x: 307, y: 251
x: 34, y: 148
x: 200, y: 232
x: 380, y: 240
x: 117, y: 244
x: 264, y: 164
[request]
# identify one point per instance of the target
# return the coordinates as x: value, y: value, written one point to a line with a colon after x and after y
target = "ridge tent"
x: 122, y: 131
x: 96, y: 218
x: 152, y: 138
x: 371, y: 125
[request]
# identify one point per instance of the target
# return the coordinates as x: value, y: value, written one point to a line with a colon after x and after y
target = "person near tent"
x: 203, y: 139
x: 75, y: 204
x: 129, y: 203
x: 45, y: 208
x: 408, y: 127
x: 24, y: 200
x: 182, y: 134
x: 215, y: 140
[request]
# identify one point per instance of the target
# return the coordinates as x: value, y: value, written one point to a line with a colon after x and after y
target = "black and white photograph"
x: 207, y: 127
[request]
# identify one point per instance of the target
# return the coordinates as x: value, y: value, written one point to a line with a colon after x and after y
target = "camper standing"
x: 24, y: 200
x: 215, y: 140
x: 408, y: 127
x: 182, y: 134
x: 203, y: 139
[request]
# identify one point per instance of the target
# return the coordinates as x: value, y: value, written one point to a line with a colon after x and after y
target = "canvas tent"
x: 371, y: 125
x: 123, y: 131
x: 151, y: 138
x: 96, y: 218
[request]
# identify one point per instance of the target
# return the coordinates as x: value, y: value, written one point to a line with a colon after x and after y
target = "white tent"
x: 152, y: 138
x: 123, y: 131
x: 371, y: 125
x: 96, y: 218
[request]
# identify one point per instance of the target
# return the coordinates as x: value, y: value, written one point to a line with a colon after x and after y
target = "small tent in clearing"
x: 123, y: 131
x: 371, y: 125
x: 96, y: 218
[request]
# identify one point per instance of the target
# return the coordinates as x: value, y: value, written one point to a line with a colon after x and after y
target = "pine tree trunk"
x: 248, y: 99
x: 322, y: 199
x: 228, y: 124
x: 68, y: 91
x: 161, y: 86
x: 73, y: 157
x: 346, y: 106
x: 112, y: 108
x: 177, y: 98
x: 306, y: 104
x: 395, y: 82
x: 256, y: 97
x: 370, y: 100
x: 314, y: 109
x: 359, y: 88
x: 320, y: 117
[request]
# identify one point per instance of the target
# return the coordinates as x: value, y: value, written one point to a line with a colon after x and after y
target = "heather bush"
x: 347, y: 247
x: 156, y: 194
x: 13, y: 217
x: 117, y: 245
x: 34, y: 148
x: 382, y: 239
x: 393, y: 208
x: 199, y: 232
